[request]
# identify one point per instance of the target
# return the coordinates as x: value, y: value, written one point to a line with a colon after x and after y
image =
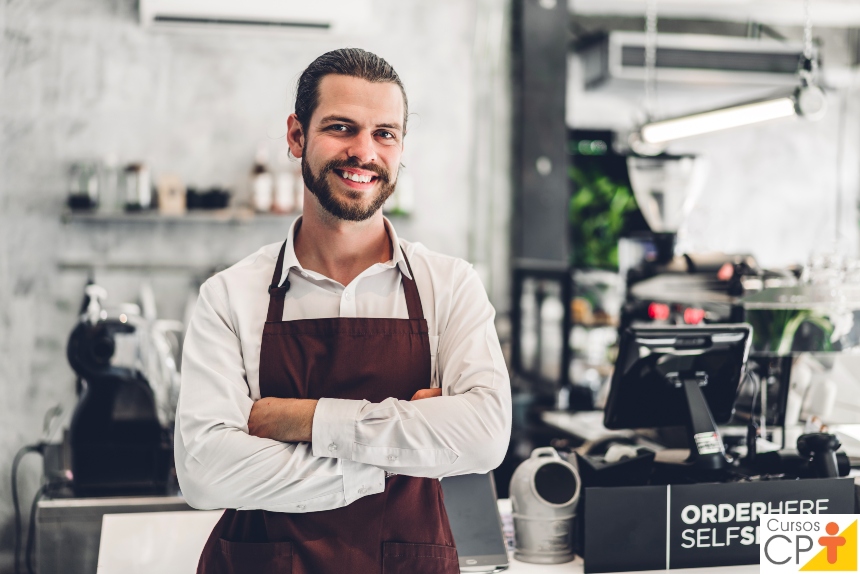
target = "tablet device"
x: 470, y: 501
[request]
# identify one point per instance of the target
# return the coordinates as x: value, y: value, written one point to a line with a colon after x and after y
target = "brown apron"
x: 403, y: 529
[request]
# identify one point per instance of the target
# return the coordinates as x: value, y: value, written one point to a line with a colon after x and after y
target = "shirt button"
x: 362, y: 490
x: 392, y: 457
x: 332, y: 447
x: 301, y: 507
x: 347, y: 296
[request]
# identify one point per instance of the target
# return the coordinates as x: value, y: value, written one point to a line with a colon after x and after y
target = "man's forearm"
x: 291, y: 420
x: 449, y: 435
x: 285, y: 420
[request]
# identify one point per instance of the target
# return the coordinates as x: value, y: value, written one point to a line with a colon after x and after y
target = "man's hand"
x: 426, y: 394
x: 286, y: 420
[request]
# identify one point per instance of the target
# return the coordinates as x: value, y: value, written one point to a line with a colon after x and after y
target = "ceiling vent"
x: 691, y: 58
x: 312, y: 15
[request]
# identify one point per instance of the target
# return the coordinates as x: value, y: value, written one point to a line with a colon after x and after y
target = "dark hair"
x: 347, y: 62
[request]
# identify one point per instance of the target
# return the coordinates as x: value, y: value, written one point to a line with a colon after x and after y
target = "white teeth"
x: 355, y: 177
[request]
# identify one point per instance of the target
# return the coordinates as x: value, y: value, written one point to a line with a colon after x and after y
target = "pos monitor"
x: 680, y: 376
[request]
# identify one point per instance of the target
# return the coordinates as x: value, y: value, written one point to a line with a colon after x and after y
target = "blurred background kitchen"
x: 143, y: 150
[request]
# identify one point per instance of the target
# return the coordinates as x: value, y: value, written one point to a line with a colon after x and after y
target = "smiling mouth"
x: 357, y: 178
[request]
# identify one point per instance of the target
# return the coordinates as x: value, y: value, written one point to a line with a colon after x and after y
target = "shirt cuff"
x: 333, y: 432
x: 360, y: 480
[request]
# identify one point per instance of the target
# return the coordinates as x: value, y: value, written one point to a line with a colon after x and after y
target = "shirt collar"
x: 291, y: 261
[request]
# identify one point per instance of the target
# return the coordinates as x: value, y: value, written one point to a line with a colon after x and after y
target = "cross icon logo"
x: 832, y: 542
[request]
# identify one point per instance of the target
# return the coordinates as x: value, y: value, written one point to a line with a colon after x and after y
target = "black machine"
x: 118, y: 445
x: 681, y: 376
x: 689, y: 377
x: 817, y: 456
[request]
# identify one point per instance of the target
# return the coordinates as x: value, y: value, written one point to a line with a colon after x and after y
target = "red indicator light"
x: 693, y: 316
x: 658, y: 311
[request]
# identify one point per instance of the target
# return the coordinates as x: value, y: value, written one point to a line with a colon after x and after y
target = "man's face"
x: 352, y: 147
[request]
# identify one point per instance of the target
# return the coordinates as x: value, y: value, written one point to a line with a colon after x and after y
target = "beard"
x: 347, y: 205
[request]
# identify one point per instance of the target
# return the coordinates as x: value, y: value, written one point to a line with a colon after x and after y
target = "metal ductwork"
x: 695, y: 58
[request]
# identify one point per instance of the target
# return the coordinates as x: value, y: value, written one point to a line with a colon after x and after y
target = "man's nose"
x: 362, y: 147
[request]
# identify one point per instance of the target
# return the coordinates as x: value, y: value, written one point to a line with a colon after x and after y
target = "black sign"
x: 696, y: 525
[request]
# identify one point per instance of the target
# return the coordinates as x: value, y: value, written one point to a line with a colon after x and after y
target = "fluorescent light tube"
x: 706, y: 122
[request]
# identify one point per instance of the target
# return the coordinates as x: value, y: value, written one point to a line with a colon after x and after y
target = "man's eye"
x: 338, y: 128
x: 386, y: 135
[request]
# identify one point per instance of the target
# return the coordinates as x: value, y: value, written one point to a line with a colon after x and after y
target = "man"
x: 328, y: 380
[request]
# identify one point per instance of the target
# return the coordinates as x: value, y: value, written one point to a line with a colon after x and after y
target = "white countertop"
x: 171, y: 542
x: 587, y: 425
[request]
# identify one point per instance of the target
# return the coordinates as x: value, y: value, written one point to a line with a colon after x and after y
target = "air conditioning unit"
x: 313, y: 15
x: 691, y: 58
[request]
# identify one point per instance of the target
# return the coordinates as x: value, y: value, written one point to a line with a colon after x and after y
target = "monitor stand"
x: 707, y: 452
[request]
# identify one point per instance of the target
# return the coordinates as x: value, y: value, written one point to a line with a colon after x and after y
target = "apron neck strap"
x: 413, y: 299
x: 277, y: 293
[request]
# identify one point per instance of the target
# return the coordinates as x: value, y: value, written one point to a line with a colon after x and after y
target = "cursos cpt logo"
x: 808, y: 543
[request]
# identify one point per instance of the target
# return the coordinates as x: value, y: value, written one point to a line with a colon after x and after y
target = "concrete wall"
x: 81, y: 80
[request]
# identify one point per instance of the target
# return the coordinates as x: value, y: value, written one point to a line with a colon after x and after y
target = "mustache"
x: 382, y: 173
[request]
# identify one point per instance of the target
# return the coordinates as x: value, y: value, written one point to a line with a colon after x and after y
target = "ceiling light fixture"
x: 807, y: 101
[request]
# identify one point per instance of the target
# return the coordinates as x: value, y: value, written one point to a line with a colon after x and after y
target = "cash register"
x: 689, y: 379
x: 679, y: 376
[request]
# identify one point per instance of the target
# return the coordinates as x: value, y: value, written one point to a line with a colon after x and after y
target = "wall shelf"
x: 234, y: 216
x: 140, y: 266
x: 230, y: 216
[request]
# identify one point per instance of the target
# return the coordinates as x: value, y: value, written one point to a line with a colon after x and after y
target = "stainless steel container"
x: 138, y: 193
x: 544, y: 492
x: 83, y: 186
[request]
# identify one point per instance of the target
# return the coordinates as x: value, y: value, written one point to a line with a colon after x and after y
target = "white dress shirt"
x: 466, y: 430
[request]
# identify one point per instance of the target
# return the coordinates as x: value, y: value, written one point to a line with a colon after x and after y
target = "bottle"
x: 402, y: 201
x: 262, y: 183
x: 299, y: 182
x: 285, y: 197
x: 551, y: 315
x: 109, y: 184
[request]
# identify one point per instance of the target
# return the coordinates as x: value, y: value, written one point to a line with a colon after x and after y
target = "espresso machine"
x: 120, y: 435
x: 665, y: 284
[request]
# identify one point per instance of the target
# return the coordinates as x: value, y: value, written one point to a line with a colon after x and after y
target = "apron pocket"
x: 406, y: 558
x: 257, y: 557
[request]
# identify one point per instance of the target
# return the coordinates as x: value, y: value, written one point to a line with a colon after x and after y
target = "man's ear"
x: 295, y: 135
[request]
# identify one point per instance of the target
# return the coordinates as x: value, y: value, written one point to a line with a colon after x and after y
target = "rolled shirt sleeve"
x: 220, y: 465
x: 467, y: 430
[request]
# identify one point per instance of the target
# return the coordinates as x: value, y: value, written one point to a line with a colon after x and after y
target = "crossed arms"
x: 291, y: 420
x: 294, y: 455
